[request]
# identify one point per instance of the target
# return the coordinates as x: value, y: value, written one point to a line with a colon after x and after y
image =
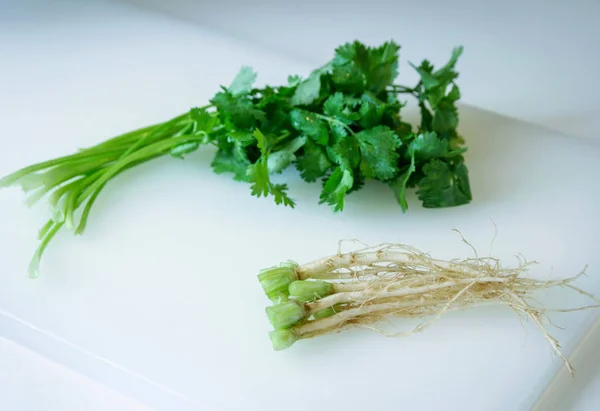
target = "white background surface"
x: 138, y: 290
x: 31, y: 382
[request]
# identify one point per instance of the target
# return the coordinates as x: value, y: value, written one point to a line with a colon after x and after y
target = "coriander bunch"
x: 341, y: 125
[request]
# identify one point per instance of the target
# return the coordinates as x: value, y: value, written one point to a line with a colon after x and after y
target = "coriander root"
x: 361, y: 288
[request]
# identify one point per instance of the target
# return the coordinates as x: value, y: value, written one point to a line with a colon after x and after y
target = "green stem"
x: 71, y: 205
x: 160, y: 132
x: 64, y: 173
x: 88, y: 206
x: 37, y: 196
x: 150, y: 150
x: 72, y: 202
x: 23, y: 172
x: 117, y: 143
x: 59, y: 192
x: 45, y: 229
x: 92, y: 168
x: 134, y: 135
x: 403, y: 89
x: 34, y: 265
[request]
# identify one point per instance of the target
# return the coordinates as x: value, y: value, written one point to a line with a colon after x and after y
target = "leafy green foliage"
x: 445, y: 117
x: 237, y: 112
x: 311, y: 125
x: 242, y: 83
x: 309, y: 90
x: 379, y: 158
x: 444, y: 185
x: 358, y: 68
x: 258, y: 173
x: 313, y: 163
x: 427, y: 145
x: 341, y: 125
x: 336, y: 187
x: 231, y: 159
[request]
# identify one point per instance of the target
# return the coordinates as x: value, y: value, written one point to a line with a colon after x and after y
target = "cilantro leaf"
x: 425, y: 70
x: 383, y: 66
x: 359, y: 181
x: 335, y: 106
x: 349, y: 64
x: 261, y: 142
x: 379, y: 155
x: 242, y: 83
x: 454, y: 94
x: 336, y: 187
x: 349, y: 78
x: 445, y: 117
x: 281, y: 197
x: 436, y: 84
x: 399, y: 184
x: 427, y: 145
x: 447, y: 73
x: 202, y: 120
x: 456, y: 141
x: 231, y: 159
x: 258, y: 174
x: 371, y: 111
x: 426, y: 117
x: 314, y: 163
x: 444, y: 184
x: 278, y: 116
x: 309, y: 90
x: 357, y: 68
x: 310, y: 124
x: 340, y: 107
x: 345, y: 152
x: 442, y: 77
x: 237, y: 112
x: 294, y: 80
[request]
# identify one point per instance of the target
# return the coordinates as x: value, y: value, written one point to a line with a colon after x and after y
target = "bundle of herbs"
x: 341, y: 125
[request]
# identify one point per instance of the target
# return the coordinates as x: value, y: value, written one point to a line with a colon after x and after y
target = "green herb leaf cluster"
x: 341, y: 126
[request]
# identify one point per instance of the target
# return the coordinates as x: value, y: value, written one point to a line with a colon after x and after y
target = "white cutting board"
x: 159, y: 298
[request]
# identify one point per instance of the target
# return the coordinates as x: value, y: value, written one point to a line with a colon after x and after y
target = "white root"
x: 367, y: 293
x: 371, y: 284
x: 535, y: 316
x: 317, y: 268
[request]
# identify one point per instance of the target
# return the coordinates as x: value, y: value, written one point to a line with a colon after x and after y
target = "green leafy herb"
x: 336, y: 187
x: 341, y: 125
x: 444, y: 184
x: 313, y: 163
